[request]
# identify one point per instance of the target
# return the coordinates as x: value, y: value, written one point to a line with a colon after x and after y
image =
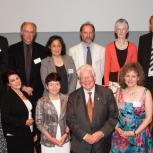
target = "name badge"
x: 37, y: 60
x: 136, y: 104
x: 70, y: 71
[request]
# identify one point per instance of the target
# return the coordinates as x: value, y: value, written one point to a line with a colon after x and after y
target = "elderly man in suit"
x: 3, y: 60
x: 91, y: 114
x: 88, y: 52
x: 25, y: 57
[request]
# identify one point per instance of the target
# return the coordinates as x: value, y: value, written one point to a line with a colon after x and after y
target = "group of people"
x: 89, y: 99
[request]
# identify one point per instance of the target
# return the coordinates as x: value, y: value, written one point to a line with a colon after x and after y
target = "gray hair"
x: 27, y: 22
x: 121, y: 21
x: 84, y: 68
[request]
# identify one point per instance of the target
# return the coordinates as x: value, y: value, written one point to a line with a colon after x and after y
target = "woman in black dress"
x: 17, y: 118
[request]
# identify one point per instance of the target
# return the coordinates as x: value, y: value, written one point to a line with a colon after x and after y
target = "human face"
x: 56, y: 47
x: 87, y: 34
x: 121, y: 30
x: 53, y: 88
x: 28, y: 33
x: 131, y: 78
x: 151, y: 25
x: 14, y: 82
x: 87, y: 80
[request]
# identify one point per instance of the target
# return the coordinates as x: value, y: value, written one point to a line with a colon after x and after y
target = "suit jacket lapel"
x: 22, y: 59
x: 81, y: 55
x: 97, y: 102
x: 52, y: 106
x: 63, y: 103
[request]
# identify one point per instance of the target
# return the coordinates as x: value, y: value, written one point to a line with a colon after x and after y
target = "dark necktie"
x: 28, y: 56
x: 88, y: 58
x: 90, y: 107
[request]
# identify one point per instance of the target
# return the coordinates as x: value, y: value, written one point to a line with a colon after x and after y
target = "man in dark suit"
x: 91, y: 114
x: 145, y: 55
x: 3, y: 60
x: 25, y: 57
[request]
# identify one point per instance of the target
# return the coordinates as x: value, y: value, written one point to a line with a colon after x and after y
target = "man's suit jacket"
x: 17, y: 62
x: 144, y: 51
x: 104, y: 119
x: 98, y: 59
x: 3, y: 60
x: 48, y: 66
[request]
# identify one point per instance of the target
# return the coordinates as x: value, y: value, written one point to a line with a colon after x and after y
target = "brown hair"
x: 136, y: 67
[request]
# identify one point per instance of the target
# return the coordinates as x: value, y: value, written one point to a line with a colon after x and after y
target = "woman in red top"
x: 118, y: 53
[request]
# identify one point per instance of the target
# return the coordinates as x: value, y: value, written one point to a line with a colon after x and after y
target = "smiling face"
x: 87, y: 79
x: 53, y: 87
x: 87, y: 34
x: 14, y: 82
x: 56, y: 47
x: 131, y: 78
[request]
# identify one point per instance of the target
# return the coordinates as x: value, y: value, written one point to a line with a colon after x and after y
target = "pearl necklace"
x: 121, y: 46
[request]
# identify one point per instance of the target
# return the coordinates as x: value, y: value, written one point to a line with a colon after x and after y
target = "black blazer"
x: 104, y: 119
x: 17, y: 62
x: 14, y: 115
x: 144, y: 51
x: 3, y: 59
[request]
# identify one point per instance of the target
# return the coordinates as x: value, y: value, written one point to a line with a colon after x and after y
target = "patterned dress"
x: 131, y: 115
x: 2, y: 140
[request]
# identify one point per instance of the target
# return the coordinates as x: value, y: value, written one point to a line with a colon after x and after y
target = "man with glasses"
x: 25, y: 57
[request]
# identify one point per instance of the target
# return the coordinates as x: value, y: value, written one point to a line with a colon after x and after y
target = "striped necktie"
x: 150, y: 71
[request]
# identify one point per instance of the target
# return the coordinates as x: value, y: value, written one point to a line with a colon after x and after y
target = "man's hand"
x: 97, y: 136
x: 28, y: 90
x: 88, y: 138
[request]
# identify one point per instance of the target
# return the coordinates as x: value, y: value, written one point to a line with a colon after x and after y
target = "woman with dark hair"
x: 132, y: 133
x: 17, y: 118
x: 61, y: 63
x: 118, y: 53
x: 51, y: 117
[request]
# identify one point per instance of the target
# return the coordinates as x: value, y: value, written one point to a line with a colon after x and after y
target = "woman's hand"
x: 125, y: 134
x: 128, y: 134
x: 29, y: 122
x: 55, y: 141
x: 63, y: 138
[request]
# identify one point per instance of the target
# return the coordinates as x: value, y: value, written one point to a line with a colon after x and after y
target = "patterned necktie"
x: 90, y: 107
x: 28, y: 57
x: 150, y: 71
x: 88, y: 59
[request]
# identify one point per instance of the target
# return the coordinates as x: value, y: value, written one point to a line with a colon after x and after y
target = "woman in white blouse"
x: 17, y: 118
x: 51, y: 118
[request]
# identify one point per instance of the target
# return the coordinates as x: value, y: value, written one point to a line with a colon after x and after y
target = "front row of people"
x: 92, y: 117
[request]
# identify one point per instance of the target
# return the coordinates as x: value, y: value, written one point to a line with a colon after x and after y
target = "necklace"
x: 19, y: 93
x: 121, y: 45
x: 132, y: 93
